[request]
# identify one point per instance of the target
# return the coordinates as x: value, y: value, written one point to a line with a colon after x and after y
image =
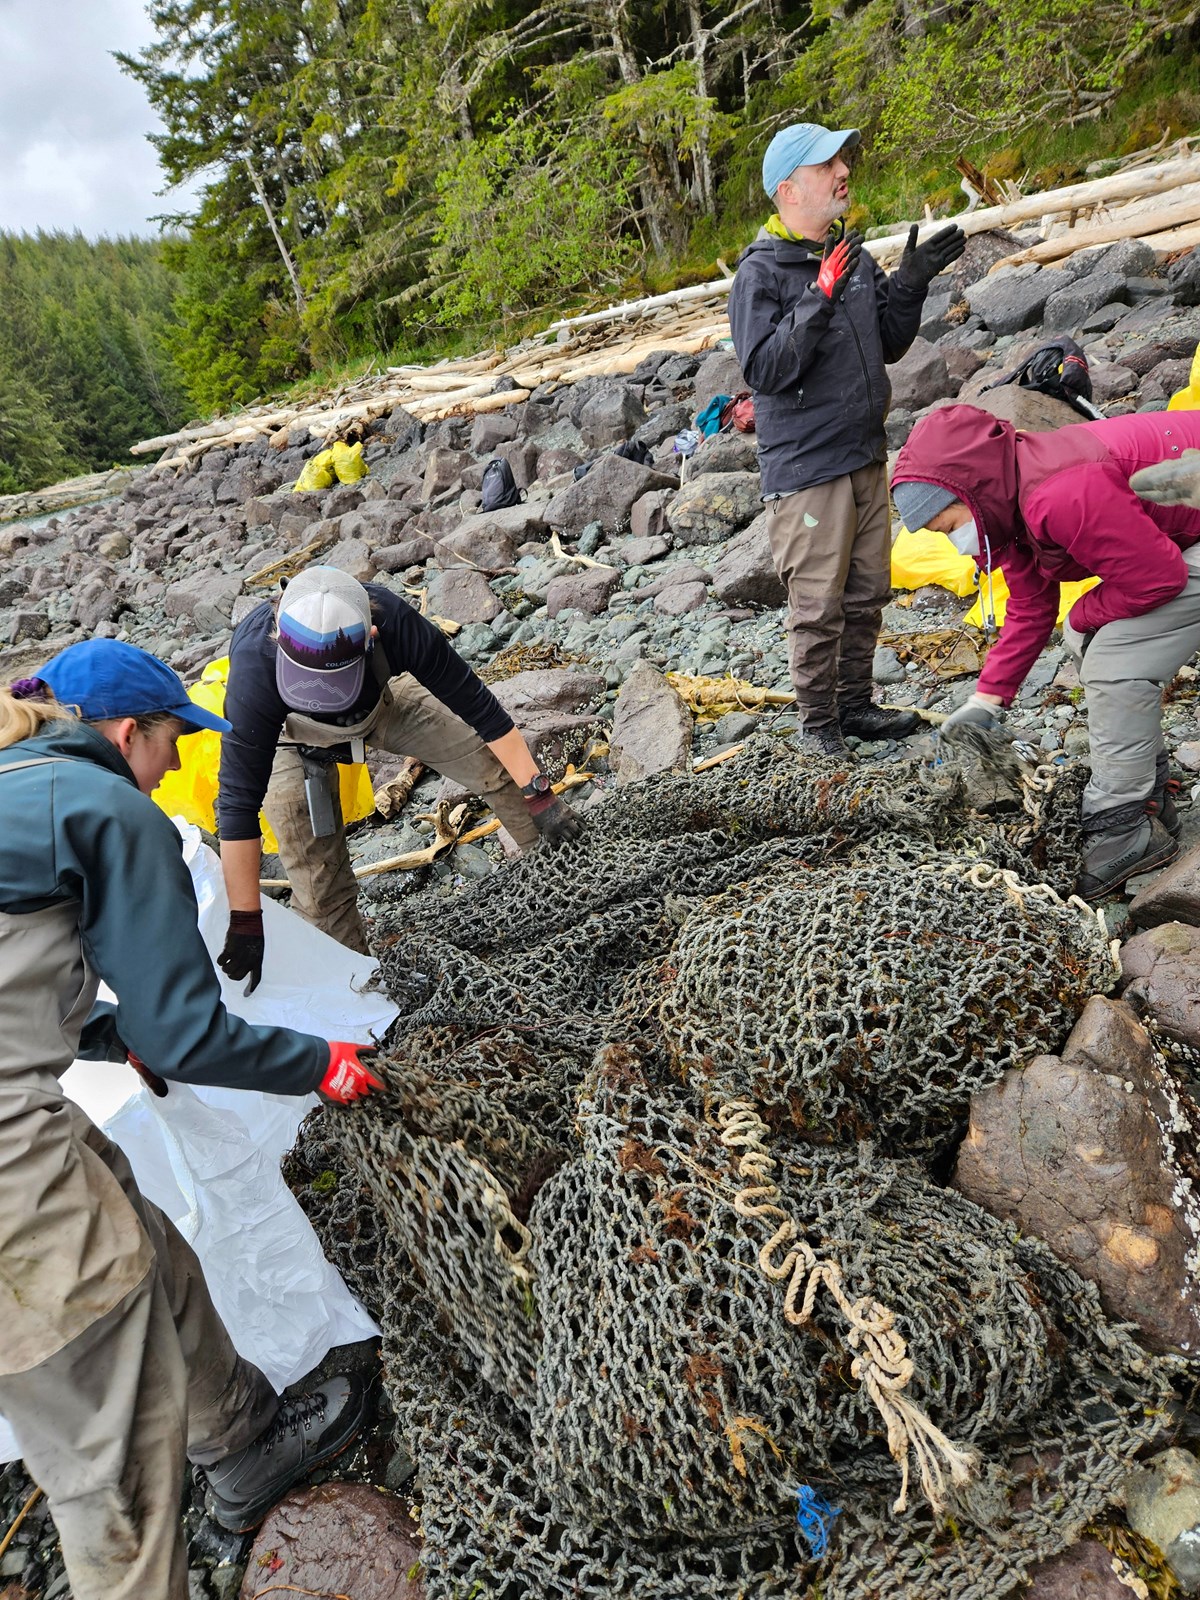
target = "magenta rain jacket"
x: 1057, y: 507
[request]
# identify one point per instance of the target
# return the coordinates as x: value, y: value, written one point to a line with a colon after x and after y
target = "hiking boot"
x: 1161, y: 804
x: 304, y: 1432
x: 1110, y: 858
x: 825, y: 741
x: 873, y: 722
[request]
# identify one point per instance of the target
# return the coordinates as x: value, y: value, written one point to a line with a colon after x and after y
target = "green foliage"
x: 523, y: 217
x: 379, y: 174
x: 85, y: 364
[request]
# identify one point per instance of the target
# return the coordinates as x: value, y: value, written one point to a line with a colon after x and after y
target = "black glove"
x: 921, y: 263
x: 838, y: 263
x: 244, y: 949
x: 552, y: 819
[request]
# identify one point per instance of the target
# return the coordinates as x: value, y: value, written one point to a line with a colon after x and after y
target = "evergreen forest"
x: 410, y: 177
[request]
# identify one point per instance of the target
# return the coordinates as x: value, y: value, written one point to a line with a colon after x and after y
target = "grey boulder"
x: 715, y: 505
x: 652, y: 728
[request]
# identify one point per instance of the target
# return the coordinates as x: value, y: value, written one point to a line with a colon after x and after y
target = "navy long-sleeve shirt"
x: 78, y: 828
x: 256, y: 709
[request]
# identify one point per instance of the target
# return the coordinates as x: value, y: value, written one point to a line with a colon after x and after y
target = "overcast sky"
x: 73, y: 149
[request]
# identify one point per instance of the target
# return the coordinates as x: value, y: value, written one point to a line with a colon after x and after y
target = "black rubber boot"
x: 1113, y: 856
x: 873, y: 722
x: 824, y: 741
x: 1161, y: 803
x: 304, y: 1433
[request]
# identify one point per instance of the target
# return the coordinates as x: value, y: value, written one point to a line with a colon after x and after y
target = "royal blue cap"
x: 103, y: 678
x: 805, y: 144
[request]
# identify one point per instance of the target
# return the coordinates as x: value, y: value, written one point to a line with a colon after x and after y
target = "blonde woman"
x: 114, y: 1365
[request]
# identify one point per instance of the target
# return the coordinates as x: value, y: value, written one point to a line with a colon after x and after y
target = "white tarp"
x: 210, y: 1157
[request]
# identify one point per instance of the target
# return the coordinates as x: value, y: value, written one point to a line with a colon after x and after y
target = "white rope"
x: 881, y: 1362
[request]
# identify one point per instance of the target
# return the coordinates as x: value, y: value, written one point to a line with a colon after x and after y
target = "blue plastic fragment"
x: 815, y: 1518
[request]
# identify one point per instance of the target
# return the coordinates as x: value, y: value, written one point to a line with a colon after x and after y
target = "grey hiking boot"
x: 304, y: 1433
x: 1111, y: 857
x: 824, y: 741
x: 874, y: 722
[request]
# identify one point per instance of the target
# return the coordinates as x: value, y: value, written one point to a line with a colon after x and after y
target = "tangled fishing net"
x: 673, y: 1302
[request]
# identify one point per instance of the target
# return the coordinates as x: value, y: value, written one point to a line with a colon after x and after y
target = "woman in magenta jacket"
x: 1051, y: 508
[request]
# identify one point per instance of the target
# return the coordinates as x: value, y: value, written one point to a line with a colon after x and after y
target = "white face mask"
x: 966, y: 539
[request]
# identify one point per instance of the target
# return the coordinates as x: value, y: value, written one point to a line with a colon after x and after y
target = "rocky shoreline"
x: 577, y: 601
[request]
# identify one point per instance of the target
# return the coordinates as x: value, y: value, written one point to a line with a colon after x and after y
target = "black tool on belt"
x: 318, y: 790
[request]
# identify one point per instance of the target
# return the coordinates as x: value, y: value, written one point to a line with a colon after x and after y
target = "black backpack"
x: 499, y: 486
x: 1059, y: 368
x: 634, y: 450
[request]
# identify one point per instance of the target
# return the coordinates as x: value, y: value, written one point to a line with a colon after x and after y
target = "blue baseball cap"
x: 805, y: 144
x: 103, y: 678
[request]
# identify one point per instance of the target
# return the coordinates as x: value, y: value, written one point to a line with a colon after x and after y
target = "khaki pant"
x: 106, y: 1423
x: 832, y: 548
x: 324, y: 889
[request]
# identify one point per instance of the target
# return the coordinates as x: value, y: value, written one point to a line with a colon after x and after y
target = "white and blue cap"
x: 804, y: 144
x: 324, y: 631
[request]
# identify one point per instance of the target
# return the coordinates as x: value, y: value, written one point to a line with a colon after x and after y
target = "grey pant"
x: 106, y: 1423
x: 324, y: 890
x: 832, y: 548
x: 1124, y: 671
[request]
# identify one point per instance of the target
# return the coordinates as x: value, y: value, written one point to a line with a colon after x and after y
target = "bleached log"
x: 1174, y: 240
x: 440, y: 382
x: 1140, y: 225
x: 630, y: 310
x: 473, y: 408
x: 208, y: 430
x: 1141, y: 183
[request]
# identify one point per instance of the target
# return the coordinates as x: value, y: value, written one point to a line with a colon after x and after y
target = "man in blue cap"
x: 814, y: 321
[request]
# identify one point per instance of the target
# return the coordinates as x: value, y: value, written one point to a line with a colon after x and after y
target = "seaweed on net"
x: 763, y: 995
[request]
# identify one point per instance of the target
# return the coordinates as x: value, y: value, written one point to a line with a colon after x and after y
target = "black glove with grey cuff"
x: 921, y: 263
x: 244, y: 949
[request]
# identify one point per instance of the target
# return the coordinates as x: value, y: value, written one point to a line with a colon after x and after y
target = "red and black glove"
x: 347, y: 1078
x: 153, y: 1082
x: 552, y: 818
x: 838, y: 264
x: 244, y: 949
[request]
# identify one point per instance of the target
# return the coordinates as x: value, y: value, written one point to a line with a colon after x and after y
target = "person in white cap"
x: 814, y: 321
x: 329, y: 668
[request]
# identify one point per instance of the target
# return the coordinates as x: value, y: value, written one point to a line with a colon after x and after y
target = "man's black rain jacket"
x: 816, y: 367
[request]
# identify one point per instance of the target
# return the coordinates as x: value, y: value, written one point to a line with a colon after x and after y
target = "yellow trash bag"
x: 317, y: 474
x: 1068, y: 593
x: 1188, y: 399
x: 923, y: 557
x: 192, y: 791
x: 348, y: 462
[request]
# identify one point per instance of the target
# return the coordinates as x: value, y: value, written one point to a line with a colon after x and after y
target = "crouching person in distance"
x: 1056, y: 507
x: 315, y: 677
x: 115, y: 1368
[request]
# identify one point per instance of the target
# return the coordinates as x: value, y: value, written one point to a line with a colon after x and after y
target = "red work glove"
x: 838, y: 264
x: 153, y: 1082
x: 346, y: 1078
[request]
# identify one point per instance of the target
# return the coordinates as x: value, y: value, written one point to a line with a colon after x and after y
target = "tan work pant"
x: 105, y: 1424
x: 832, y: 548
x: 324, y: 890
